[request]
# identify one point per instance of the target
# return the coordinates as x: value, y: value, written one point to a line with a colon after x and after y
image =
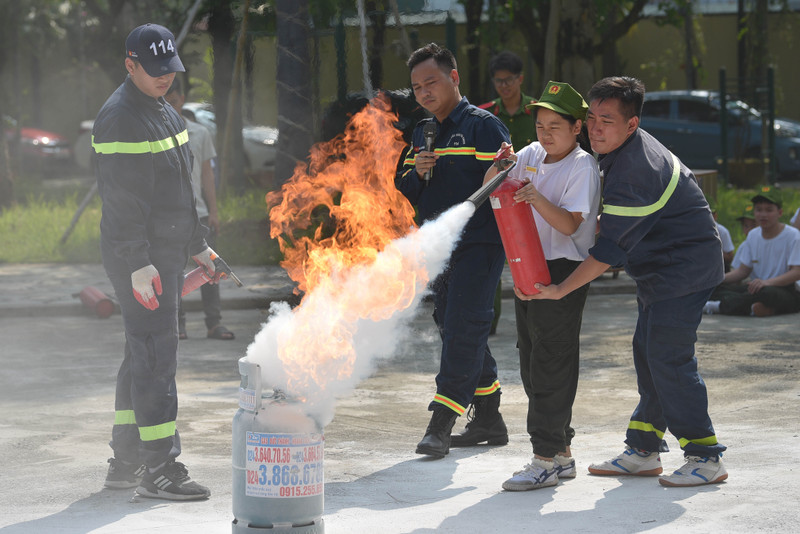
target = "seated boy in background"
x: 771, y: 256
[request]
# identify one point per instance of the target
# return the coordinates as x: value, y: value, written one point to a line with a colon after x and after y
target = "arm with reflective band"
x: 450, y: 403
x: 141, y: 147
x: 643, y: 211
x: 455, y: 151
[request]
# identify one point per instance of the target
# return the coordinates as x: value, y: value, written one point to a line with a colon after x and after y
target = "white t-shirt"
x: 573, y: 184
x: 737, y: 258
x: 771, y: 257
x: 725, y: 236
x: 202, y: 147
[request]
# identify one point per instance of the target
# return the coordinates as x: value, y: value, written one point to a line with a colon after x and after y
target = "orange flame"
x: 332, y: 219
x: 348, y: 190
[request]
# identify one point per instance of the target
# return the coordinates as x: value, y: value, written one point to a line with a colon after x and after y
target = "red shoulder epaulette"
x: 491, y: 106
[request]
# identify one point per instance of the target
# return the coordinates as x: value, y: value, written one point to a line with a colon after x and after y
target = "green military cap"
x: 768, y: 194
x: 562, y: 98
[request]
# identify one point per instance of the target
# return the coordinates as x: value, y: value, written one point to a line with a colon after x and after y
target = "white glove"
x: 144, y: 281
x: 206, y: 260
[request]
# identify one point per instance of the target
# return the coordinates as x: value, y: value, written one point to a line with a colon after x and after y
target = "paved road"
x: 56, y: 396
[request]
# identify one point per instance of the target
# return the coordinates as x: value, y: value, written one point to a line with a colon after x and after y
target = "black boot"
x: 485, y: 423
x: 436, y: 442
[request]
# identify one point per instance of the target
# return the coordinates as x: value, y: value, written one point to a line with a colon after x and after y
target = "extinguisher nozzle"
x: 480, y: 196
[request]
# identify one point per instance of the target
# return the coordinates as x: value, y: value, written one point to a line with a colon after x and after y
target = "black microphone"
x: 429, y: 133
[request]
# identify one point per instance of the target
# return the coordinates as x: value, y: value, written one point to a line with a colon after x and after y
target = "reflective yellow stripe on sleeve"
x: 643, y: 211
x: 142, y: 147
x: 456, y: 151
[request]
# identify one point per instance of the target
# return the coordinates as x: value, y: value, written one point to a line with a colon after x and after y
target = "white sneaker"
x: 564, y: 466
x: 711, y: 307
x: 535, y: 475
x: 696, y: 472
x: 630, y: 462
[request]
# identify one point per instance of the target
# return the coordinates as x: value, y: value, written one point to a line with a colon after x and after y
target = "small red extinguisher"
x: 520, y: 237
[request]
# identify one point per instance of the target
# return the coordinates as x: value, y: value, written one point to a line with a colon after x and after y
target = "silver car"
x: 260, y: 142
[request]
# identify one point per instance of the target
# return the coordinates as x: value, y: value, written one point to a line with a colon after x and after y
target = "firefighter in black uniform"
x: 466, y: 142
x: 148, y: 228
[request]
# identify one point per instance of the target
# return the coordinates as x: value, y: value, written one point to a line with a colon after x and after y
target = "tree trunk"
x: 576, y: 44
x: 294, y: 87
x: 551, y: 41
x: 473, y: 9
x: 8, y: 46
x: 376, y: 13
x: 690, y: 37
x: 221, y: 27
x: 6, y: 180
x: 759, y: 57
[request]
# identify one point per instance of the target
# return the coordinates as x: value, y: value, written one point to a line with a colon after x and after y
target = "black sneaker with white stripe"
x: 123, y: 475
x: 172, y: 483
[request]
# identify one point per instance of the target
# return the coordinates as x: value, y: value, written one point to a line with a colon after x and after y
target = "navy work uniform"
x: 143, y: 167
x: 466, y: 143
x: 657, y: 223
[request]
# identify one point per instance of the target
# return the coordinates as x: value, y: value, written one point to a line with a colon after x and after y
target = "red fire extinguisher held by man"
x: 518, y: 232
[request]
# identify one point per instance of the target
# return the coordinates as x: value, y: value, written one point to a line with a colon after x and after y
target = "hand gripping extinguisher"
x: 520, y: 237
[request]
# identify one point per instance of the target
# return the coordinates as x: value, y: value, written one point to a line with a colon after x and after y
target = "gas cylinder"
x: 97, y: 301
x: 520, y: 237
x: 278, y: 479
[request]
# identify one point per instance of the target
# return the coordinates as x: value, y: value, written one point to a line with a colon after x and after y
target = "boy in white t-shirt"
x: 771, y: 257
x: 725, y: 237
x: 563, y: 190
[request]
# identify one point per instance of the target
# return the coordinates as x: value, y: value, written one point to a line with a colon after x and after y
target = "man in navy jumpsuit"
x: 657, y: 223
x: 148, y: 229
x: 466, y: 141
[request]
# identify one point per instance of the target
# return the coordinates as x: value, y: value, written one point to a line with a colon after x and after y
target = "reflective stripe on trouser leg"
x: 672, y: 394
x: 463, y: 312
x: 146, y: 382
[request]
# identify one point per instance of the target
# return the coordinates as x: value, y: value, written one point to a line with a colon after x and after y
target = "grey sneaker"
x: 172, y: 483
x: 534, y: 475
x: 697, y: 471
x: 564, y: 466
x: 630, y: 462
x: 123, y: 475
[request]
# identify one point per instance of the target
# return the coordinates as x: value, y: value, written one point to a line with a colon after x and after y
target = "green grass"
x: 31, y: 231
x: 731, y: 202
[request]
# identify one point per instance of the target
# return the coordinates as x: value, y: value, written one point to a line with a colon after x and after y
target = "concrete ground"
x: 57, y: 389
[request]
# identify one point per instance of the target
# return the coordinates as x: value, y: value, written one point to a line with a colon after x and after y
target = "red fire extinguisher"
x: 520, y: 237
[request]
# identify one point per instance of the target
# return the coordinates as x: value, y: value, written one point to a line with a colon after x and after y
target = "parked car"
x: 38, y: 150
x: 688, y: 123
x: 260, y: 142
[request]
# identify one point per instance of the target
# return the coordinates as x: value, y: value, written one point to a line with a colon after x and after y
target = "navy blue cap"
x: 153, y: 46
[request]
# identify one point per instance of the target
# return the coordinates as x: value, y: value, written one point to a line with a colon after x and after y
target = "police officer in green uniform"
x: 510, y: 106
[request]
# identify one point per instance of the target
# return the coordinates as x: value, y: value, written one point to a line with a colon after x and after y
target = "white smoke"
x: 324, y: 321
